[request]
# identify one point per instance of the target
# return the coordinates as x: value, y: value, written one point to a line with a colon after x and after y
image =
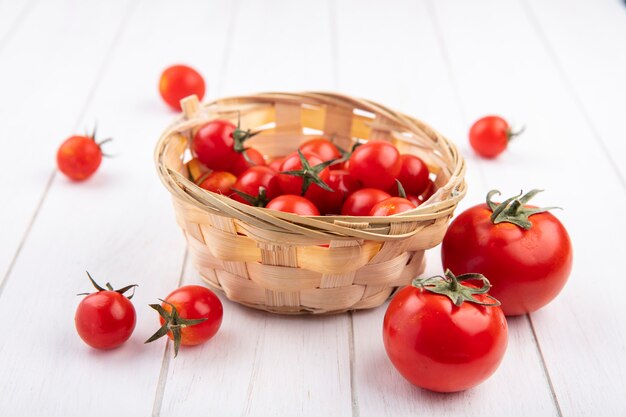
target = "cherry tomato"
x: 343, y: 184
x: 445, y: 343
x: 392, y: 205
x: 190, y: 315
x: 490, y: 136
x: 295, y: 204
x: 218, y: 145
x: 178, y: 82
x: 376, y: 164
x: 276, y: 164
x: 106, y: 318
x: 241, y: 163
x: 527, y: 257
x: 321, y: 147
x: 361, y: 202
x: 218, y: 182
x: 413, y: 175
x: 292, y: 184
x: 250, y: 182
x: 417, y: 200
x: 79, y: 157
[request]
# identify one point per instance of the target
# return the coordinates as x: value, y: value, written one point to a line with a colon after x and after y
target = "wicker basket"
x: 279, y: 262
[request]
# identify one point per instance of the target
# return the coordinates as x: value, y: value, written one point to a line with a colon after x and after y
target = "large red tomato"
x: 376, y: 164
x: 524, y: 251
x: 444, y: 335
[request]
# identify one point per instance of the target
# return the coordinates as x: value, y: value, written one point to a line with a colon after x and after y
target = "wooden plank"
x: 501, y: 64
x: 405, y: 66
x: 120, y: 224
x: 261, y: 364
x: 12, y: 14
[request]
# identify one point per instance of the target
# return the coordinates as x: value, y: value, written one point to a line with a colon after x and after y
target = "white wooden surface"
x: 556, y: 66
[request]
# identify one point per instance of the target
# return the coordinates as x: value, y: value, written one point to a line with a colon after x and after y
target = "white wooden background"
x: 557, y: 66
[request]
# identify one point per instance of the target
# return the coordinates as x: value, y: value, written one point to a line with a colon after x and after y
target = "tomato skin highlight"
x: 79, y: 157
x: 361, y: 202
x: 489, y: 136
x: 376, y: 164
x: 391, y: 206
x: 295, y: 204
x: 195, y: 302
x: 441, y: 347
x: 527, y: 268
x: 105, y: 319
x: 178, y: 82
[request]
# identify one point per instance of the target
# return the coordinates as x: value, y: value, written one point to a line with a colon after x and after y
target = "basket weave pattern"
x: 285, y: 263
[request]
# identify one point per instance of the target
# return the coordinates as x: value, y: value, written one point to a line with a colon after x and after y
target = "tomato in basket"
x: 257, y: 186
x: 303, y: 172
x: 361, y: 202
x: 295, y: 204
x: 322, y: 148
x: 376, y: 164
x: 342, y: 183
x: 219, y: 182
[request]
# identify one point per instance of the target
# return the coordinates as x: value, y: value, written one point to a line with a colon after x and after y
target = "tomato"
x: 178, y: 82
x: 79, y: 157
x: 255, y: 158
x: 302, y: 173
x: 106, y: 318
x: 413, y: 174
x: 218, y: 145
x: 376, y: 164
x: 444, y: 335
x: 295, y: 204
x: 218, y: 181
x: 190, y: 315
x: 330, y: 202
x: 321, y: 147
x: 257, y: 186
x: 490, y: 136
x: 417, y: 200
x: 392, y: 205
x: 361, y: 202
x: 276, y: 164
x: 524, y: 251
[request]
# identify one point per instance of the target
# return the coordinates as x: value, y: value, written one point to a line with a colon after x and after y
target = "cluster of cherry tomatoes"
x: 319, y: 178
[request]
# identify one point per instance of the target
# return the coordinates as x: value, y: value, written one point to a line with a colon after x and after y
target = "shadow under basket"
x: 290, y: 264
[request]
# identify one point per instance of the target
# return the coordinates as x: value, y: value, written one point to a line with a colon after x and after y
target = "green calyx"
x: 240, y: 136
x: 510, y: 134
x: 401, y: 191
x: 345, y: 155
x: 260, y: 200
x: 173, y: 323
x: 513, y: 210
x: 452, y: 287
x: 92, y: 136
x: 310, y: 174
x: 109, y: 287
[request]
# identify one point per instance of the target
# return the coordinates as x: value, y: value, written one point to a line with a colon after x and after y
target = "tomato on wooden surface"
x: 524, y: 251
x: 322, y: 147
x: 413, y: 174
x: 342, y: 183
x: 178, y: 82
x: 376, y: 164
x: 295, y: 204
x: 257, y: 186
x: 360, y: 202
x: 392, y: 205
x: 444, y: 334
x: 490, y: 136
x: 79, y: 157
x: 105, y: 319
x: 219, y: 182
x: 189, y: 315
x: 218, y: 144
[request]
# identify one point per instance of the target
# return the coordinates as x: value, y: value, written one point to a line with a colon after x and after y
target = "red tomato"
x: 105, y: 319
x: 343, y: 184
x: 322, y: 147
x: 361, y: 202
x: 178, y: 82
x: 276, y: 164
x: 413, y: 174
x: 219, y: 182
x: 295, y: 204
x: 430, y: 190
x: 241, y: 164
x: 527, y: 267
x: 414, y: 199
x: 250, y: 183
x: 440, y: 344
x: 392, y: 205
x: 376, y: 164
x: 292, y: 184
x: 190, y: 315
x: 490, y: 136
x: 218, y: 145
x: 79, y: 157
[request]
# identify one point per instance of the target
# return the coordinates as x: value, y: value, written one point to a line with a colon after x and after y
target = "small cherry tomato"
x: 444, y: 335
x: 178, y: 82
x: 276, y: 164
x: 525, y: 251
x: 218, y: 145
x: 254, y: 158
x: 105, y: 319
x: 189, y: 316
x: 343, y: 184
x: 295, y: 204
x: 79, y: 157
x: 322, y: 147
x: 218, y: 182
x: 417, y: 200
x: 490, y: 136
x: 413, y: 174
x: 360, y: 202
x: 392, y: 205
x: 376, y: 164
x: 256, y: 186
x: 303, y: 172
